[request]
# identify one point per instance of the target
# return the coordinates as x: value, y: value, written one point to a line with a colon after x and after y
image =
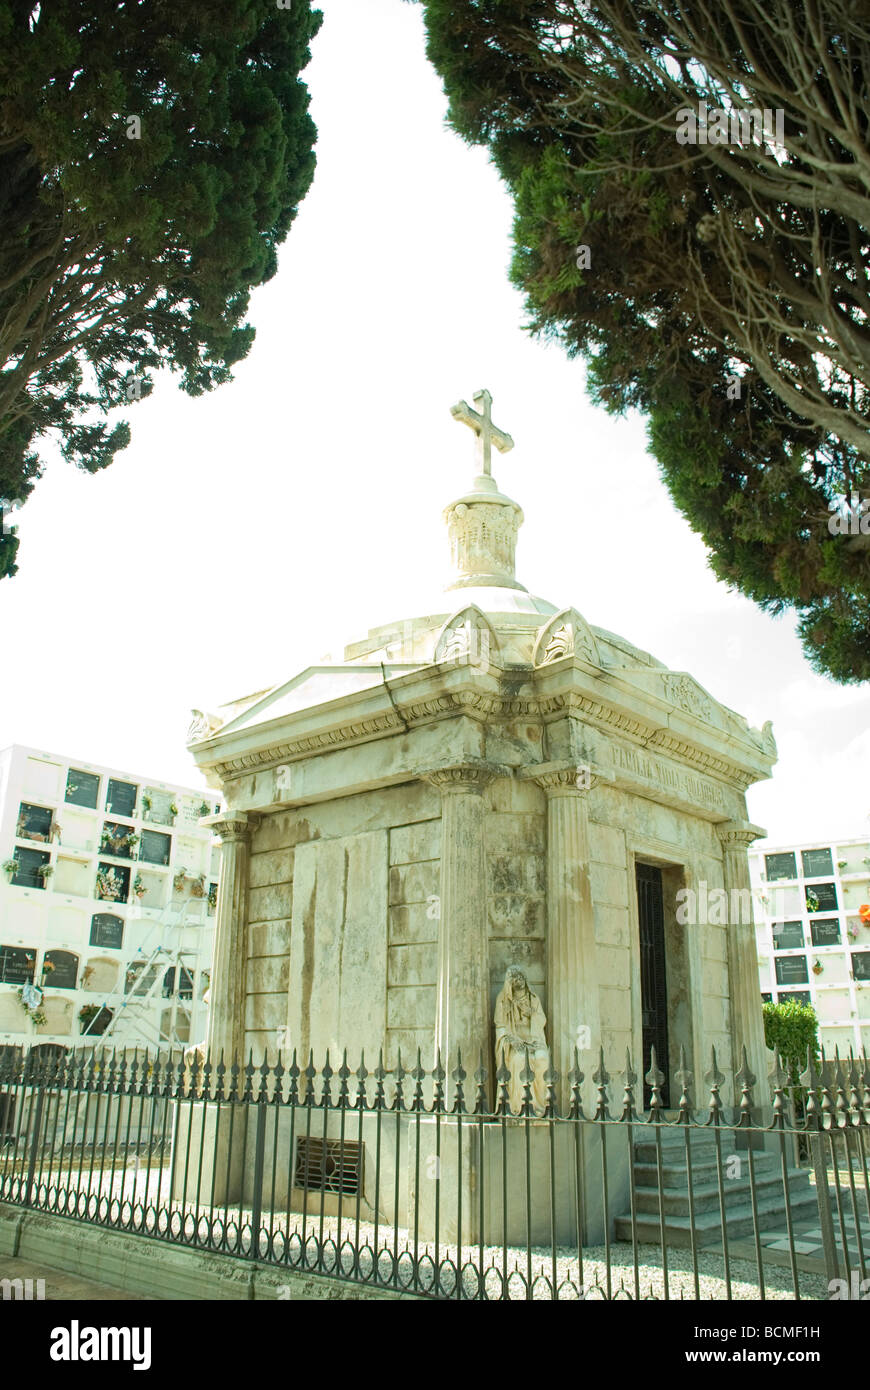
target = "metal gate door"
x: 653, y: 976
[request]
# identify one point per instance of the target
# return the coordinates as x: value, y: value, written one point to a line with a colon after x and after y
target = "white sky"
x: 246, y: 534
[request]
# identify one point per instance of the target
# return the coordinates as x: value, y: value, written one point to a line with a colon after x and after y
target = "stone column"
x: 573, y: 1011
x: 747, y: 1020
x: 462, y: 1018
x: 226, y: 1015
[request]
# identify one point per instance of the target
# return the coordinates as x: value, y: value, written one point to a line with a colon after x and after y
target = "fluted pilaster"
x: 747, y: 1020
x: 226, y: 1018
x: 462, y: 1010
x: 572, y: 980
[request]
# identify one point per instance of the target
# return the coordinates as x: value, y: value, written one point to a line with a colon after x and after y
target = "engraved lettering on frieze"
x: 684, y: 784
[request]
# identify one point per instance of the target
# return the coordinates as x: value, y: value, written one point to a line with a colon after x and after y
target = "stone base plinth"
x: 515, y: 1181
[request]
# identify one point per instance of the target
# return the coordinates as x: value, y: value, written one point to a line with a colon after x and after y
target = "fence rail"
x: 416, y: 1179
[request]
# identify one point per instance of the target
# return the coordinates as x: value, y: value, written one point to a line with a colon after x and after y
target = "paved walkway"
x: 61, y: 1287
x: 808, y: 1243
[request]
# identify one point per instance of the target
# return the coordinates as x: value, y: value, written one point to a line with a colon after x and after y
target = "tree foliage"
x: 125, y: 248
x: 792, y: 1027
x: 726, y: 294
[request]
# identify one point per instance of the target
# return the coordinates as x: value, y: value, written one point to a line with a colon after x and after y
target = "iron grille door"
x: 653, y: 979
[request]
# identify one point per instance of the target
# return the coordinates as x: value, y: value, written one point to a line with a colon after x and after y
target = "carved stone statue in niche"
x: 519, y: 1026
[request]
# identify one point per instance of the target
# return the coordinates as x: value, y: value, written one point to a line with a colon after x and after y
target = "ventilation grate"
x: 328, y: 1165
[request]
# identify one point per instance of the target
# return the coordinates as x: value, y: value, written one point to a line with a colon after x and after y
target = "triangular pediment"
x: 566, y: 634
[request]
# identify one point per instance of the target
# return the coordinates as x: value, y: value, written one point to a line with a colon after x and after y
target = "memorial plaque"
x: 780, y: 866
x: 825, y: 896
x: 791, y: 970
x: 16, y: 965
x: 82, y: 788
x: 861, y: 965
x: 826, y: 931
x: 121, y: 798
x: 154, y: 847
x: 34, y: 822
x: 65, y: 972
x: 107, y: 930
x: 28, y: 863
x: 788, y: 936
x: 817, y: 862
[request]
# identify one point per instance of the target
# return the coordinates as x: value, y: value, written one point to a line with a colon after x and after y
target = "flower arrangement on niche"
x: 109, y: 885
x: 30, y: 999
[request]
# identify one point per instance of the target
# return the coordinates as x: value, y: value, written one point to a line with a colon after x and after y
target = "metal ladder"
x: 168, y: 953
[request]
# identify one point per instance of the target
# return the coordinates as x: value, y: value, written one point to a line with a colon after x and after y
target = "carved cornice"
x: 485, y: 706
x: 739, y: 836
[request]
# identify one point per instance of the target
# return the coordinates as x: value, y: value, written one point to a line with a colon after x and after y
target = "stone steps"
x: 705, y: 1169
x: 708, y: 1226
x: 673, y: 1201
x: 736, y: 1194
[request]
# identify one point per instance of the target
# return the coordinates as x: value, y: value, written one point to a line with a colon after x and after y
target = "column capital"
x: 471, y: 776
x: 233, y: 827
x: 562, y: 778
x: 739, y: 834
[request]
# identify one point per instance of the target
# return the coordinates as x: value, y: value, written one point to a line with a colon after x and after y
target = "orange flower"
x: 864, y: 913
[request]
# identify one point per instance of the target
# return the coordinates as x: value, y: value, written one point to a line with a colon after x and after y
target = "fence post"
x: 257, y: 1194
x: 811, y: 1079
x: 34, y: 1147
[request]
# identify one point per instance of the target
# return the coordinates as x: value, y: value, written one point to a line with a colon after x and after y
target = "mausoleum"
x: 495, y: 782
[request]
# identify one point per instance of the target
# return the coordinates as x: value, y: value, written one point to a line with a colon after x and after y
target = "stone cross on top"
x: 487, y: 433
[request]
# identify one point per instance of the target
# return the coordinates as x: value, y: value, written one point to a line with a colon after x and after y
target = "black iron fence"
x: 425, y: 1181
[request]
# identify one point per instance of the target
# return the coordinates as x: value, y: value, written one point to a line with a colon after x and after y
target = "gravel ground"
x: 122, y: 1204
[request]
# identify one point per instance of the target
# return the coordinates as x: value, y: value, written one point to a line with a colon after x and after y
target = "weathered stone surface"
x: 410, y: 1006
x: 269, y: 938
x: 517, y: 915
x: 274, y: 866
x: 611, y: 925
x: 270, y: 904
x: 517, y: 873
x: 409, y: 844
x: 609, y: 886
x: 413, y: 965
x: 413, y: 923
x: 516, y: 834
x: 414, y: 883
x: 268, y: 975
x: 265, y: 1014
x: 339, y: 943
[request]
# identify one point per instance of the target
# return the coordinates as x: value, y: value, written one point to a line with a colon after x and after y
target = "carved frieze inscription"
x: 688, y: 786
